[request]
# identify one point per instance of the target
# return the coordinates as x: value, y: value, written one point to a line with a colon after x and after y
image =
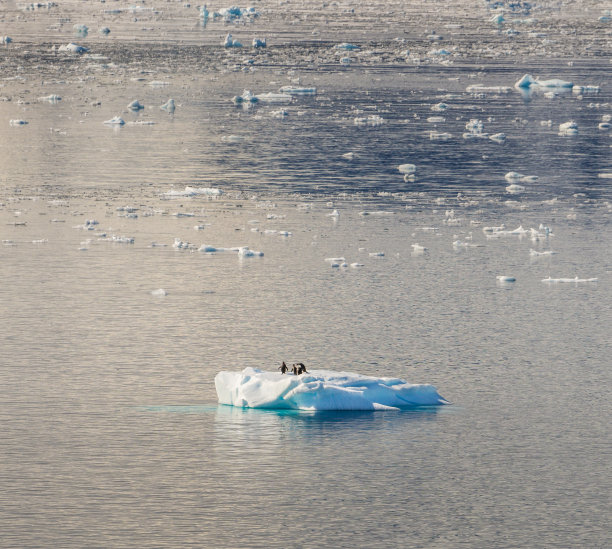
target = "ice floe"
x: 135, y: 105
x: 407, y: 169
x: 242, y: 251
x: 115, y: 121
x: 550, y: 280
x: 528, y: 81
x: 193, y: 191
x: 321, y: 390
x: 73, y: 48
x: 229, y: 42
x: 568, y: 128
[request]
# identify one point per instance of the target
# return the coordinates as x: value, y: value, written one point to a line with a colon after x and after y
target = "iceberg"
x: 528, y: 81
x: 321, y: 390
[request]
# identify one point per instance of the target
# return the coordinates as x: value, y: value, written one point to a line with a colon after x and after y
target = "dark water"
x: 111, y: 432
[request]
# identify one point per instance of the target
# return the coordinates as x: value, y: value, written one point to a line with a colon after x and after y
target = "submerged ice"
x: 321, y: 390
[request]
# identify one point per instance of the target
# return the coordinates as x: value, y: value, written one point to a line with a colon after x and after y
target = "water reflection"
x: 248, y: 424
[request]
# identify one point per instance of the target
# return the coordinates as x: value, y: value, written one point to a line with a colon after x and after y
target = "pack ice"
x: 321, y: 390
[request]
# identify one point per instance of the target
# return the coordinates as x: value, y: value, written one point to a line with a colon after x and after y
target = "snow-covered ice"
x: 321, y: 390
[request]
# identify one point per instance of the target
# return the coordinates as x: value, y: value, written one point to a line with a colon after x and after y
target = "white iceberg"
x: 73, y: 48
x: 115, y: 121
x: 527, y: 81
x: 321, y: 390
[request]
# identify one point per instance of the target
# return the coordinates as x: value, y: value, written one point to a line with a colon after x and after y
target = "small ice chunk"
x: 159, y: 292
x: 244, y: 251
x: 568, y: 128
x: 168, y: 106
x: 81, y: 30
x: 407, y: 168
x: 504, y: 278
x: 580, y: 90
x: 229, y: 42
x: 372, y: 120
x: 5, y: 40
x: 515, y: 189
x: 135, y: 105
x: 498, y: 137
x: 50, y: 98
x: 73, y: 48
x: 347, y: 47
x: 417, y: 249
x: 257, y: 43
x: 295, y: 90
x: 104, y: 30
x: 115, y: 121
x: 270, y: 97
x: 17, y: 122
x: 377, y: 254
x: 527, y: 81
x: 535, y: 253
x: 568, y: 280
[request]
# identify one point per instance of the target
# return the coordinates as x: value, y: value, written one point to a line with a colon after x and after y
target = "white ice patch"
x: 321, y: 390
x: 550, y: 280
x: 193, y: 191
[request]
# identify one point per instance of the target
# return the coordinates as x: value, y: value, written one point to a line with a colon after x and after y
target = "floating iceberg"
x: 321, y: 390
x: 550, y: 280
x: 295, y: 90
x: 115, y: 121
x: 73, y: 48
x: 193, y: 191
x: 528, y: 81
x: 135, y: 105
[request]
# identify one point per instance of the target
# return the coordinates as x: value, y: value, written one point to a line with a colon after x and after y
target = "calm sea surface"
x: 110, y: 431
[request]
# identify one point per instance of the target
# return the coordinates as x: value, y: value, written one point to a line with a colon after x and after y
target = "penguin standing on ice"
x: 301, y: 368
x: 283, y: 368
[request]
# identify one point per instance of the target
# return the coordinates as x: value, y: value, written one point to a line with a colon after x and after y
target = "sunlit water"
x: 111, y: 433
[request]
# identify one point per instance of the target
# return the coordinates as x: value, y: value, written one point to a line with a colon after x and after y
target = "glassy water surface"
x: 111, y: 432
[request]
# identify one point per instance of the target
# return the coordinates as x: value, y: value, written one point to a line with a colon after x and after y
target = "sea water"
x: 111, y: 336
